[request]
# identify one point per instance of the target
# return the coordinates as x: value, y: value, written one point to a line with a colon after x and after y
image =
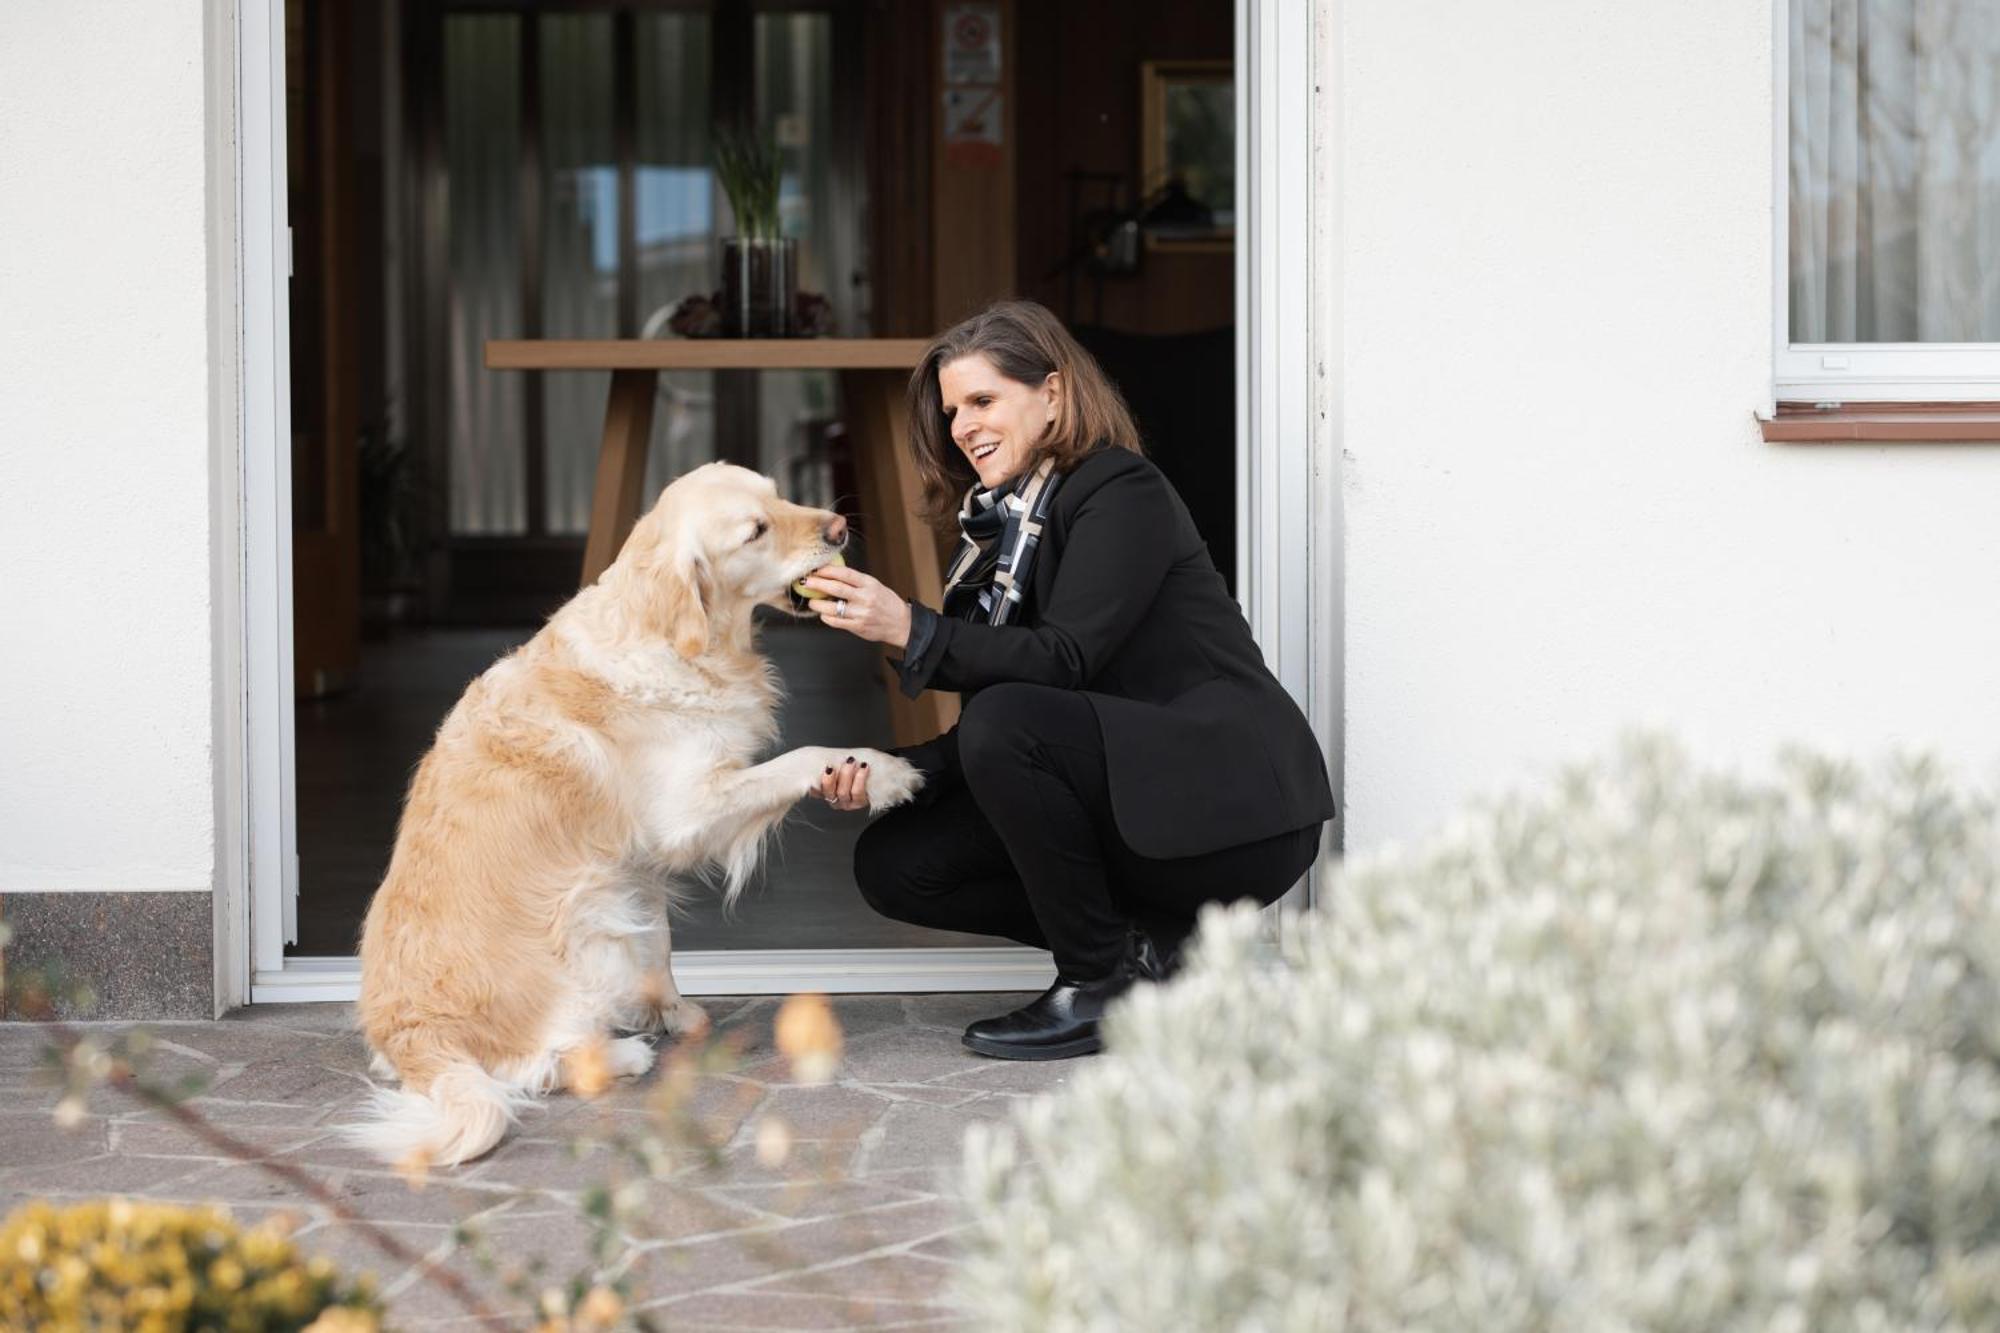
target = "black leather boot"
x: 1062, y: 1021
x: 1170, y: 936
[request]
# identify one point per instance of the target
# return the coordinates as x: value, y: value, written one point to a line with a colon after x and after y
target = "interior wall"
x: 105, y: 427
x: 1079, y: 110
x: 897, y: 109
x: 1557, y: 318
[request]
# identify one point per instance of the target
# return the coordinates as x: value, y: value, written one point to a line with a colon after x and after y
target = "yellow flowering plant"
x: 160, y: 1268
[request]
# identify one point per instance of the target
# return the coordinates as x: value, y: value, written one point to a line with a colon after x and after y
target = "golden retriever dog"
x: 522, y: 921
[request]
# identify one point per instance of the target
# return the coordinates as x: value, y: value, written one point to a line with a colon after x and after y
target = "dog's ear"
x: 664, y: 579
x: 686, y: 595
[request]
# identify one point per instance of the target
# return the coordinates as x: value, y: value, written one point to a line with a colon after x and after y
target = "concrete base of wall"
x: 109, y: 955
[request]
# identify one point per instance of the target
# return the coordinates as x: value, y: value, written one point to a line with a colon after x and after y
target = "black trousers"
x: 1027, y: 848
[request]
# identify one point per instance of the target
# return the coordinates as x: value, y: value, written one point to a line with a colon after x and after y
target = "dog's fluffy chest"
x: 683, y: 751
x: 681, y: 722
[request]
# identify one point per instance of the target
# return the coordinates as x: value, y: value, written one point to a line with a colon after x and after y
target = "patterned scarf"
x: 996, y: 553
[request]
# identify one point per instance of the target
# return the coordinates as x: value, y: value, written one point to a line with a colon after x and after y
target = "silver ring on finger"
x: 840, y: 608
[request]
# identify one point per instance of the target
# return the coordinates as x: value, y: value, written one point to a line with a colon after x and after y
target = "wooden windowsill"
x: 1883, y: 423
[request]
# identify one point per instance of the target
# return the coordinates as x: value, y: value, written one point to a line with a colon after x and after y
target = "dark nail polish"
x: 829, y: 770
x: 864, y: 763
x: 850, y: 759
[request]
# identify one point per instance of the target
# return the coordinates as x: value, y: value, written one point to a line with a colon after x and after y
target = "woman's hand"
x: 845, y: 786
x: 860, y: 604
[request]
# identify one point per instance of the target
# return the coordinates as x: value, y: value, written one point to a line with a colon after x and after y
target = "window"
x: 1889, y: 241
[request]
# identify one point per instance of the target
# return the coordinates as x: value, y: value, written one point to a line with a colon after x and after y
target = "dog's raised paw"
x: 891, y: 781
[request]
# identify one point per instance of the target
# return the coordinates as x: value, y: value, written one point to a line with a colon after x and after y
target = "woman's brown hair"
x: 1025, y: 342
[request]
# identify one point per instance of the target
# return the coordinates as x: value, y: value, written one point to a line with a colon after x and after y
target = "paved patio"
x: 853, y: 1227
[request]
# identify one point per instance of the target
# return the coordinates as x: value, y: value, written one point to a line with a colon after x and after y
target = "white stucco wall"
x: 105, y: 704
x: 1555, y: 242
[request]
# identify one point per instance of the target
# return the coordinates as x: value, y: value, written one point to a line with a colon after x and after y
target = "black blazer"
x: 1204, y: 749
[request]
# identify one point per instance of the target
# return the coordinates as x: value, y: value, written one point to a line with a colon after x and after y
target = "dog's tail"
x: 462, y: 1115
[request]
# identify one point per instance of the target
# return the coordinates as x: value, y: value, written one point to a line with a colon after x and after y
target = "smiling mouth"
x: 984, y: 452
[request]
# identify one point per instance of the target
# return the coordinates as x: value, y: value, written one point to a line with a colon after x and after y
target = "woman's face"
x: 996, y: 422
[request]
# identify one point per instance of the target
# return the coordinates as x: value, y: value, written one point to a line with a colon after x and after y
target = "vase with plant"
x: 759, y: 266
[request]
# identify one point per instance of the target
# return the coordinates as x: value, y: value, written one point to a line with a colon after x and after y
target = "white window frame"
x: 1853, y: 372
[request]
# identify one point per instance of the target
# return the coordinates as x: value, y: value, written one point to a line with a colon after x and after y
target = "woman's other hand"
x: 860, y: 604
x: 845, y: 786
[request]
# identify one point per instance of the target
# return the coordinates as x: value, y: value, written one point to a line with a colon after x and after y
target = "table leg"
x: 906, y: 553
x: 621, y: 467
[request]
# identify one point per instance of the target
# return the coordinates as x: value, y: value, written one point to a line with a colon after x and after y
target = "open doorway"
x: 459, y: 172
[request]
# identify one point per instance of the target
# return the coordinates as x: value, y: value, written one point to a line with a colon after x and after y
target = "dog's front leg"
x: 728, y: 821
x: 766, y: 791
x: 797, y: 773
x: 657, y: 1005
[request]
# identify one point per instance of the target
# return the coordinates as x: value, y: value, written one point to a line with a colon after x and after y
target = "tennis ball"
x: 813, y: 595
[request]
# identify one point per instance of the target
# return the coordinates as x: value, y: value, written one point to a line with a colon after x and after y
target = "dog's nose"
x: 836, y: 530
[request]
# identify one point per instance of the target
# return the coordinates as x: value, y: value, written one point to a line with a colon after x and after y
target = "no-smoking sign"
x: 972, y: 43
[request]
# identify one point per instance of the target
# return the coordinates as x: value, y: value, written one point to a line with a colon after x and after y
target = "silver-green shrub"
x: 1651, y: 1049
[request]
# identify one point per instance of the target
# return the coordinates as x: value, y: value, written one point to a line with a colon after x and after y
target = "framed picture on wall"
x: 1187, y: 145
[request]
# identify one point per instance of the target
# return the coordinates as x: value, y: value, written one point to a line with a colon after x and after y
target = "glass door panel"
x: 551, y: 114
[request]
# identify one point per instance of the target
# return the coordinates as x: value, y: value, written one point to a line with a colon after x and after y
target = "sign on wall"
x: 972, y: 43
x: 974, y: 106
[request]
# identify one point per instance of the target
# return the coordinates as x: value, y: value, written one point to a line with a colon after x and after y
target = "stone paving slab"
x: 854, y: 1226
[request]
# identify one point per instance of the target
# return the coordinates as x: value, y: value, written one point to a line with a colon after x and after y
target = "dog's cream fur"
x: 522, y: 919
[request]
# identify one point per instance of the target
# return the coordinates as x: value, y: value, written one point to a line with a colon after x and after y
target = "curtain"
x: 676, y: 223
x: 482, y: 115
x: 1895, y: 170
x: 579, y: 248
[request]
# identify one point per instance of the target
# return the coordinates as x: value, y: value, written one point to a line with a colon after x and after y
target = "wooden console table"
x: 874, y: 378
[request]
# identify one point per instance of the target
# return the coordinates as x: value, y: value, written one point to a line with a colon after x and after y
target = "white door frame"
x: 1288, y: 535
x: 264, y: 258
x: 1285, y: 506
